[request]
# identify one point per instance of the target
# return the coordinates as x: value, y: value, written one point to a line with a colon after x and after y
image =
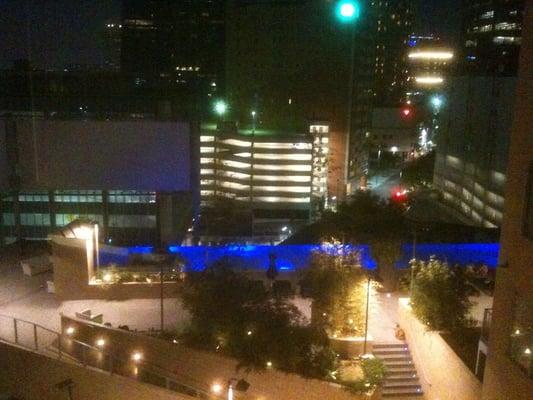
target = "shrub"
x: 373, y: 371
x: 440, y: 295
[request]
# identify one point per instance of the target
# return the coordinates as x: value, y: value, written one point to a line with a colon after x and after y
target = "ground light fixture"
x: 100, y: 342
x: 70, y: 330
x: 136, y: 356
x: 216, y: 388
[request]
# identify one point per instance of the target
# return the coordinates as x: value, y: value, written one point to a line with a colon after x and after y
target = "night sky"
x: 55, y: 33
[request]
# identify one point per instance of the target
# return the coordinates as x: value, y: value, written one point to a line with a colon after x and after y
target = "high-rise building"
x: 429, y: 66
x: 393, y: 24
x: 472, y: 146
x: 509, y: 365
x: 180, y: 42
x: 491, y: 36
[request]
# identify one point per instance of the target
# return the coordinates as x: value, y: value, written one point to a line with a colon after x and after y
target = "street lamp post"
x: 366, y: 314
x: 253, y: 121
x: 378, y: 279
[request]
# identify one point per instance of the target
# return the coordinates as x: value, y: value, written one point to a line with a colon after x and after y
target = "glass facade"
x: 125, y: 216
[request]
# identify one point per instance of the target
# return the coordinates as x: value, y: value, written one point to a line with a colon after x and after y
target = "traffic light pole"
x: 351, y: 85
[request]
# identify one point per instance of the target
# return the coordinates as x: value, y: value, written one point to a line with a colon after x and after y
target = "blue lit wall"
x: 288, y: 258
x: 294, y: 257
x: 462, y: 254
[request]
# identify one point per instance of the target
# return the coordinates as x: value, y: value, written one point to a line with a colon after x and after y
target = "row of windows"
x: 88, y: 196
x: 132, y: 221
x: 119, y: 221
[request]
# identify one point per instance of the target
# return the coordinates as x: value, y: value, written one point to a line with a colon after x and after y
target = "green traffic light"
x: 348, y: 10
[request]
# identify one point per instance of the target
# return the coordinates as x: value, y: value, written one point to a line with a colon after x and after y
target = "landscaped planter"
x: 349, y: 347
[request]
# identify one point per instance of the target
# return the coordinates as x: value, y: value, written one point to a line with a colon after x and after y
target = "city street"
x: 383, y: 184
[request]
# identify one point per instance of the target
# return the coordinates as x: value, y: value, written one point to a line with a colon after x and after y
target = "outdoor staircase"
x: 401, y: 379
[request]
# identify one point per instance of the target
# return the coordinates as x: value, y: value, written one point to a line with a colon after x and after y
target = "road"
x: 383, y: 185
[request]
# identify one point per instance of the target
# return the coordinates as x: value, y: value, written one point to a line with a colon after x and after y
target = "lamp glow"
x: 429, y: 80
x: 269, y: 364
x: 221, y: 107
x: 100, y: 342
x: 70, y: 330
x: 137, y: 356
x: 436, y: 102
x: 348, y: 10
x: 216, y: 388
x: 428, y: 55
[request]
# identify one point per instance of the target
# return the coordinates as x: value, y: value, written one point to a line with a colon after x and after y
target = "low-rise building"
x: 135, y: 178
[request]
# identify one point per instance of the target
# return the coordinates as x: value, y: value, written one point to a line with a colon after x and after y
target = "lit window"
x: 487, y: 15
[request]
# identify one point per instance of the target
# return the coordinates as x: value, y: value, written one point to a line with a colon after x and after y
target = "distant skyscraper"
x: 491, y: 36
x: 393, y: 24
x: 182, y: 42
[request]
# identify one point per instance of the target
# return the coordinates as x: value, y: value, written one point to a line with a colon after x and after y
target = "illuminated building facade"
x: 281, y: 178
x: 472, y: 145
x: 429, y: 63
x: 491, y: 36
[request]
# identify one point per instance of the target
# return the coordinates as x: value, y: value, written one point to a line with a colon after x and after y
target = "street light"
x: 376, y: 278
x: 347, y: 12
x: 221, y: 107
x: 436, y: 102
x: 253, y: 121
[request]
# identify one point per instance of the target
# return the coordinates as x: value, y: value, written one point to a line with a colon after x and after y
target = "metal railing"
x: 34, y: 337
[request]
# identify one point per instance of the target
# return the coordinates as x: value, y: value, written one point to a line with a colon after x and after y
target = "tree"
x: 440, y: 296
x: 236, y: 316
x: 337, y: 284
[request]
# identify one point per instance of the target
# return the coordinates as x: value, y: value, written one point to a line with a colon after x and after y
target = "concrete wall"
x: 443, y: 374
x: 199, y: 367
x: 72, y: 271
x: 503, y: 378
x: 82, y: 154
x: 30, y: 376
